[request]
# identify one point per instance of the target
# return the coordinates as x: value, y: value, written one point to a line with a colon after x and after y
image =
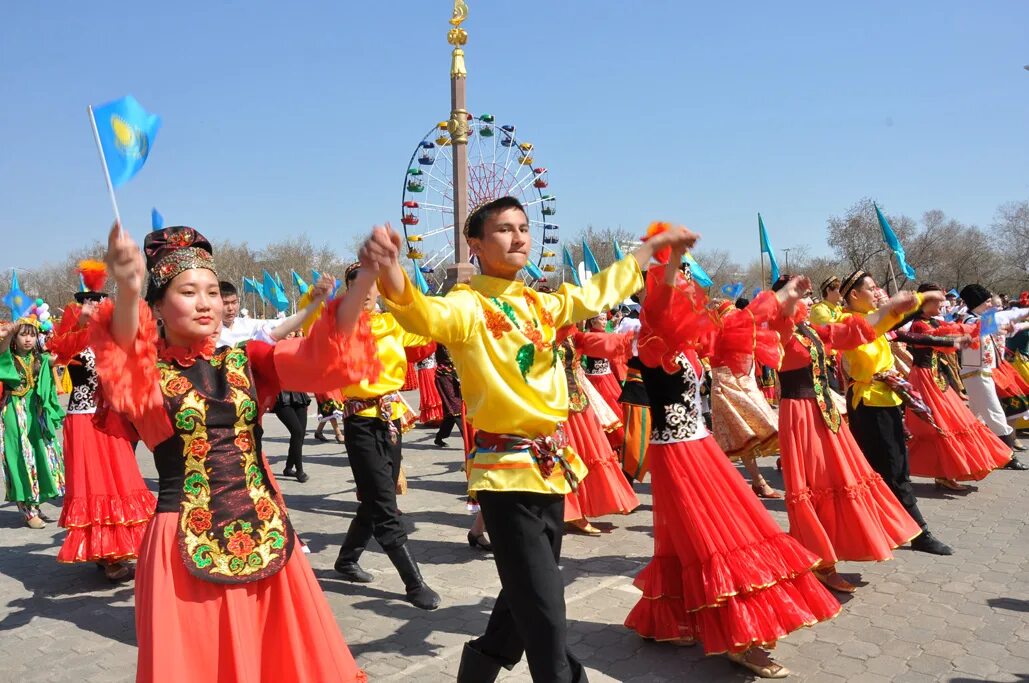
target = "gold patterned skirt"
x: 742, y: 421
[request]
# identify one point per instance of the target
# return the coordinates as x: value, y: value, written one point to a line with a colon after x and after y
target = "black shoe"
x: 1016, y: 464
x: 440, y: 442
x: 477, y: 667
x: 347, y: 566
x: 925, y: 542
x: 303, y: 476
x: 418, y: 592
x: 320, y: 437
x: 289, y: 472
x: 479, y: 542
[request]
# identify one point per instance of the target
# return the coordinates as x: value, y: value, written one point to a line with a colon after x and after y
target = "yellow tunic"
x: 500, y: 335
x: 825, y: 312
x: 390, y: 338
x: 867, y: 360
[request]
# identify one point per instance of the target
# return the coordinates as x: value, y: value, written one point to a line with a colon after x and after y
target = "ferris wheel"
x: 498, y: 165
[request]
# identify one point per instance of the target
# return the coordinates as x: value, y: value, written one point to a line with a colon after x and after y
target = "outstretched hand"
x: 381, y: 249
x: 6, y: 328
x: 124, y: 261
x: 791, y: 293
x: 323, y: 288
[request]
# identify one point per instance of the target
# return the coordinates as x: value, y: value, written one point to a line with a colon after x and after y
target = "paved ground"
x: 920, y: 618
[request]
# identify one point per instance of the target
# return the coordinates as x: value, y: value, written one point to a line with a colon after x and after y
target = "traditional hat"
x: 828, y: 283
x: 975, y: 296
x: 93, y: 275
x: 850, y: 282
x: 171, y: 251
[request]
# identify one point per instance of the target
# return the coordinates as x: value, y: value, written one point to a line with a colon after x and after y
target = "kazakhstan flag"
x: 126, y: 134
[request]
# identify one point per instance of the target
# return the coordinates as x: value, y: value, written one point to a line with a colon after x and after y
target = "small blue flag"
x: 276, y: 297
x: 757, y: 290
x: 252, y: 286
x: 988, y: 323
x: 278, y: 281
x: 700, y: 276
x: 126, y: 134
x: 315, y: 275
x: 18, y: 301
x: 534, y: 272
x: 571, y: 265
x: 156, y: 219
x: 766, y: 248
x: 893, y: 243
x: 82, y: 283
x: 589, y: 259
x: 299, y: 283
x: 618, y: 250
x: 733, y: 291
x: 419, y: 279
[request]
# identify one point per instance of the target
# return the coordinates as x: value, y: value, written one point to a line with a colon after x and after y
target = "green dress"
x: 29, y: 420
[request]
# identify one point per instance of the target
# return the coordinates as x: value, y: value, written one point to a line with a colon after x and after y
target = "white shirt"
x: 245, y: 329
x: 633, y: 325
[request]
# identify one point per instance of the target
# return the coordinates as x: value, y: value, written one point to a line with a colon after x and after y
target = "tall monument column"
x: 461, y: 270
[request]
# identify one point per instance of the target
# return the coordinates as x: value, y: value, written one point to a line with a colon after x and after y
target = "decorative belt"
x: 977, y: 373
x: 546, y: 450
x: 384, y: 403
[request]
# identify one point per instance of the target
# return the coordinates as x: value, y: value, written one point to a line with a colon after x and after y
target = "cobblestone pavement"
x: 919, y: 618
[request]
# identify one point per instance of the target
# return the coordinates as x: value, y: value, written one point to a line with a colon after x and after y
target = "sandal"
x: 763, y: 490
x: 118, y: 572
x: 949, y: 484
x: 583, y: 527
x: 767, y: 669
x: 832, y: 580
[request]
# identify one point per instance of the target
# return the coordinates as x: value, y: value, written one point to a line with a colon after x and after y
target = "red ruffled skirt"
x: 430, y: 404
x: 410, y: 379
x: 107, y: 504
x: 604, y: 491
x: 723, y: 572
x: 965, y: 450
x: 839, y: 507
x: 609, y: 388
x: 276, y: 629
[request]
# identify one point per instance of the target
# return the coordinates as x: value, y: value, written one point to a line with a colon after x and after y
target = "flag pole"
x: 761, y: 251
x: 103, y: 162
x: 893, y: 276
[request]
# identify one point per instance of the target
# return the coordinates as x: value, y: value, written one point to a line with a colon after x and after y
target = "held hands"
x: 323, y: 288
x: 125, y: 262
x: 381, y: 249
x: 679, y: 238
x: 792, y: 293
x: 905, y: 301
x: 962, y: 342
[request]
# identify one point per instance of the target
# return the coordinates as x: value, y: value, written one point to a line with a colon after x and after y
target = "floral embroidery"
x: 531, y: 331
x: 244, y: 441
x: 236, y: 380
x: 240, y: 544
x: 507, y: 320
x: 199, y: 520
x: 265, y: 509
x: 178, y: 386
x: 496, y: 323
x: 819, y: 376
x: 200, y: 448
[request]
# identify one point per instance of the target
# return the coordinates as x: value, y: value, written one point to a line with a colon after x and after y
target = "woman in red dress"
x: 430, y: 404
x: 958, y: 447
x: 106, y: 504
x: 839, y: 508
x: 723, y: 572
x: 222, y: 592
x: 601, y: 351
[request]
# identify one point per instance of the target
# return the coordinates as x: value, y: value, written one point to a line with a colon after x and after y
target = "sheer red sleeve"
x: 325, y: 359
x: 609, y: 345
x: 70, y: 338
x: 746, y: 334
x: 850, y: 333
x: 674, y: 320
x: 129, y: 377
x: 416, y: 354
x: 266, y: 378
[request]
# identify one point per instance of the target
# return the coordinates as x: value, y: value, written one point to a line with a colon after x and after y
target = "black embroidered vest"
x: 675, y: 409
x: 811, y: 381
x: 233, y: 526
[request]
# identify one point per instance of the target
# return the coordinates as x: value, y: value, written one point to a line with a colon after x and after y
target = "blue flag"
x: 156, y: 219
x: 316, y: 276
x: 252, y: 286
x: 733, y: 291
x: 700, y: 276
x: 589, y: 259
x: 419, y: 279
x: 18, y: 301
x: 82, y: 283
x: 893, y: 243
x: 534, y: 272
x: 126, y: 134
x: 299, y: 283
x: 618, y: 250
x: 988, y: 323
x: 571, y: 264
x: 276, y: 297
x: 766, y: 248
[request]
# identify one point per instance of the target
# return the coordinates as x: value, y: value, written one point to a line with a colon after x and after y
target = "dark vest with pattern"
x: 232, y: 526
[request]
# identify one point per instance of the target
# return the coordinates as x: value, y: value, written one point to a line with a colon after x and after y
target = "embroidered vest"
x: 577, y: 400
x: 84, y: 383
x: 675, y: 403
x: 597, y: 366
x: 795, y: 382
x: 232, y: 526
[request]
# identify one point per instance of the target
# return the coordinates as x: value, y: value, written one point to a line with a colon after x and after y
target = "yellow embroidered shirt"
x: 390, y: 339
x: 825, y: 312
x: 864, y: 362
x: 500, y: 335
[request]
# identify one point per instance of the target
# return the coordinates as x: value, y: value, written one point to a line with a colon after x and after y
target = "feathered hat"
x: 93, y: 277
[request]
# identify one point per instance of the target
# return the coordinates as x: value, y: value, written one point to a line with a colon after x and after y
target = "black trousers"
x: 375, y: 462
x: 529, y: 615
x: 295, y: 419
x: 446, y: 427
x: 879, y: 433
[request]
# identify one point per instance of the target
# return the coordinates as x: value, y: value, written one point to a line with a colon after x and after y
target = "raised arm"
x: 319, y: 293
x: 127, y: 268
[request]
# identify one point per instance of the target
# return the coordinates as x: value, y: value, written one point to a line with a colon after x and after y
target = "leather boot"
x: 418, y: 593
x: 348, y: 568
x: 477, y: 667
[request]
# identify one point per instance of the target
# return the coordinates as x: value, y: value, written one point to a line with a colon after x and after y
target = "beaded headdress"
x: 171, y: 251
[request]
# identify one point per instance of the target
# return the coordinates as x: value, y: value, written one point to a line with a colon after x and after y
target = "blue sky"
x: 282, y: 118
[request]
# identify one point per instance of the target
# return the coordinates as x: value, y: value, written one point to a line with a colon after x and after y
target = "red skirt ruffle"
x: 723, y: 572
x: 604, y: 491
x: 839, y: 507
x: 965, y: 450
x: 430, y: 404
x: 410, y: 379
x: 107, y: 504
x: 276, y: 629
